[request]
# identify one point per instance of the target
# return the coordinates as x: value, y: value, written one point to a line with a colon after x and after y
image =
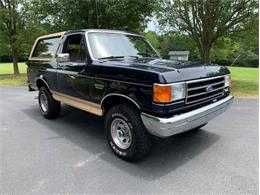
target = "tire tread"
x: 53, y: 105
x: 142, y: 139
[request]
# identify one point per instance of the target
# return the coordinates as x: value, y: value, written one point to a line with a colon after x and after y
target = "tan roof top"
x: 52, y: 35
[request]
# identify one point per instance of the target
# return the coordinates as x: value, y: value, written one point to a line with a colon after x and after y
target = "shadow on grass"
x: 245, y: 88
x: 12, y: 75
x: 13, y: 80
x: 86, y: 131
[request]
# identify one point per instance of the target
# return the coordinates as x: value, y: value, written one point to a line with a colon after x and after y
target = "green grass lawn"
x: 7, y: 68
x: 244, y: 80
x: 6, y: 77
x: 11, y: 80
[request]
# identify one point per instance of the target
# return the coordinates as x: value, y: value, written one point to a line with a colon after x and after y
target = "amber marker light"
x: 162, y: 93
x: 165, y: 93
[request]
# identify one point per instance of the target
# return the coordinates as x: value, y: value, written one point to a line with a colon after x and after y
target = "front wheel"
x: 125, y: 132
x: 50, y: 108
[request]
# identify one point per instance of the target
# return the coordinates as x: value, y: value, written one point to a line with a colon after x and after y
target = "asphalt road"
x: 70, y: 154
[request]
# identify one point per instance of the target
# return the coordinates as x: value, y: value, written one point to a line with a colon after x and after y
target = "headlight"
x: 227, y: 79
x: 169, y: 92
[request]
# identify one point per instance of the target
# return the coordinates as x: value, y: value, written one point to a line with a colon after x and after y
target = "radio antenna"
x: 97, y: 14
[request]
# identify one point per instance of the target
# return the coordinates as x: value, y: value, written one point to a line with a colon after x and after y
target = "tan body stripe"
x: 78, y: 103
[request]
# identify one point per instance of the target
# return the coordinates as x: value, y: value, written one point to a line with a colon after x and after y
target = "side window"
x: 76, y: 48
x: 46, y: 48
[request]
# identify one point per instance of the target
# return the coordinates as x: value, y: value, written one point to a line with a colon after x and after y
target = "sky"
x: 151, y: 26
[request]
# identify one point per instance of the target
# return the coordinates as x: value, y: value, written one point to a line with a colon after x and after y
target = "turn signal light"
x: 162, y: 93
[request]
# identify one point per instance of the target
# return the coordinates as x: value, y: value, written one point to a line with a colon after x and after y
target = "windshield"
x: 114, y: 45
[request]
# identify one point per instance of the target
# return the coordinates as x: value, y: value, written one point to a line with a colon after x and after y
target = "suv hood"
x: 170, y: 71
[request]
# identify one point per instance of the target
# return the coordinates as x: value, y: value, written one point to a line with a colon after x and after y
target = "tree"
x: 240, y: 49
x: 18, y: 29
x: 153, y: 39
x: 207, y: 20
x: 11, y: 21
x: 130, y: 15
x: 174, y: 41
x: 247, y: 53
x: 223, y: 48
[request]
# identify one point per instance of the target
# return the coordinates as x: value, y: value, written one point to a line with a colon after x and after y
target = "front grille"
x: 204, y: 89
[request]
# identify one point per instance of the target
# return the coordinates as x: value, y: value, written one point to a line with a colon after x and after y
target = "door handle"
x: 71, y: 76
x: 73, y: 64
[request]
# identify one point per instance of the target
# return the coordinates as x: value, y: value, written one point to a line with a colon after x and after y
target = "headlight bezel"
x: 227, y: 80
x: 166, y: 93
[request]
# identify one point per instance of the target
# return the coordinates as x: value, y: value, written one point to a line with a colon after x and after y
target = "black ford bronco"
x: 120, y: 76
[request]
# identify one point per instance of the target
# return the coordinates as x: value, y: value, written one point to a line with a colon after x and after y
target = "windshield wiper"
x: 147, y: 54
x: 117, y: 57
x: 136, y: 57
x: 110, y: 57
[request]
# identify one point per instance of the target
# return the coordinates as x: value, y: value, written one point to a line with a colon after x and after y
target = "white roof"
x: 179, y: 53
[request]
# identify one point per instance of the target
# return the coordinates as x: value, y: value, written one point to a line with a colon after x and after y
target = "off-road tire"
x: 53, y: 106
x: 141, y: 139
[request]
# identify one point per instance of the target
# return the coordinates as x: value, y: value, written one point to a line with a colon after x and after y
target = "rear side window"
x: 46, y: 48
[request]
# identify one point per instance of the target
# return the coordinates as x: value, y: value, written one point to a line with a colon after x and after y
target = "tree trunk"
x: 205, y: 55
x: 15, y: 61
x: 204, y: 50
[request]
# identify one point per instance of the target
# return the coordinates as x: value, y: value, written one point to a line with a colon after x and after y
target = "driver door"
x: 69, y: 73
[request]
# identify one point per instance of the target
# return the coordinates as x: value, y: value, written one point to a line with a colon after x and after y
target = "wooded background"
x: 214, y: 31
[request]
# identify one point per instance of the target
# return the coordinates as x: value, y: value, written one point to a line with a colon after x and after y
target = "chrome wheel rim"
x: 121, y: 133
x: 43, y: 102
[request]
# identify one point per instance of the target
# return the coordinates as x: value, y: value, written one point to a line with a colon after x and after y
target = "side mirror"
x: 63, y: 57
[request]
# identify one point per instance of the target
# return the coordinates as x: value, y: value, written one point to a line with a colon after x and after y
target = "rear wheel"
x: 125, y: 132
x: 50, y: 108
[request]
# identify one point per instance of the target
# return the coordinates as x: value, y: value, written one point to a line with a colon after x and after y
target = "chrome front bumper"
x: 165, y: 127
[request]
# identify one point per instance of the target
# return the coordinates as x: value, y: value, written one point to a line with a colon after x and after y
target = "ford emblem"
x: 209, y: 89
